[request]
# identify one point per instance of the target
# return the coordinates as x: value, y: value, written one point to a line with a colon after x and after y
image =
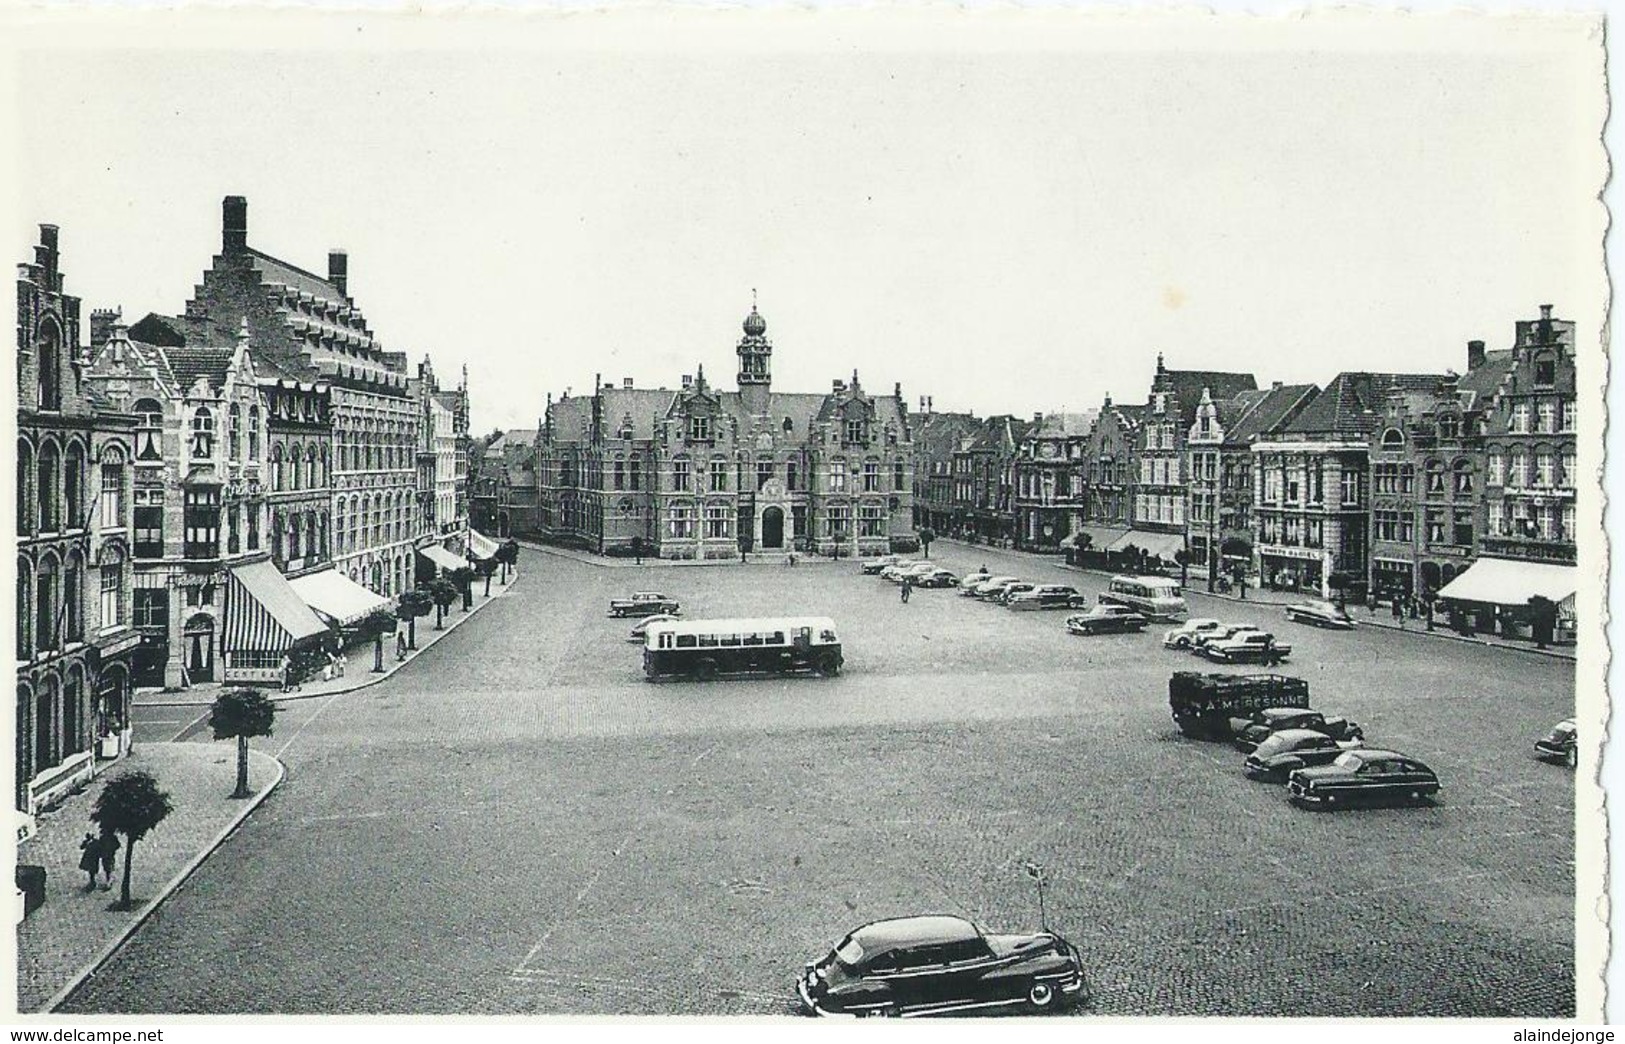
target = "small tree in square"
x: 131, y: 804
x: 444, y: 593
x: 485, y: 567
x: 240, y: 714
x: 413, y: 604
x: 508, y: 554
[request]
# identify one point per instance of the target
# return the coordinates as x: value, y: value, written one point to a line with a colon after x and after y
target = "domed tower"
x: 755, y: 362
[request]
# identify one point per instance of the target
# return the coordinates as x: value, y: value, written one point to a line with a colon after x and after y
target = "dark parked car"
x: 1263, y: 723
x: 1561, y: 744
x: 1283, y: 752
x: 644, y: 603
x: 1047, y: 596
x: 1363, y: 777
x: 1106, y: 617
x: 941, y: 965
x: 1247, y: 647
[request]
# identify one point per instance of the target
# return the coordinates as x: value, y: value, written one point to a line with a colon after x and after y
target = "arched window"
x: 1435, y: 476
x: 276, y: 535
x: 47, y: 603
x: 112, y: 587
x: 26, y: 516
x: 73, y: 598
x: 234, y: 432
x: 202, y: 434
x: 321, y: 545
x: 73, y: 487
x: 1462, y: 472
x: 1449, y: 425
x: 1518, y: 475
x: 149, y: 429
x: 48, y: 488
x: 73, y: 695
x: 311, y: 547
x: 313, y: 474
x: 1393, y: 437
x: 112, y: 488
x: 254, y: 432
x: 326, y: 478
x: 25, y: 617
x: 296, y: 466
x: 293, y: 536
x: 45, y: 710
x: 48, y: 369
x: 276, y: 466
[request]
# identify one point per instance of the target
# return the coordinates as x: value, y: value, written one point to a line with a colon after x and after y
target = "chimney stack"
x: 102, y: 322
x: 338, y: 271
x: 1038, y: 416
x: 1475, y: 355
x: 929, y: 403
x: 836, y: 386
x: 626, y: 382
x: 1546, y: 313
x: 688, y: 381
x: 234, y: 224
x: 1274, y: 385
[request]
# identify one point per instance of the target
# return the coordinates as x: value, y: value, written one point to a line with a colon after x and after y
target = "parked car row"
x: 1321, y: 758
x: 1227, y: 643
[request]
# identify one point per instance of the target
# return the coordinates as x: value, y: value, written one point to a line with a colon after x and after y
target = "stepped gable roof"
x: 275, y: 270
x: 188, y: 364
x: 1186, y: 387
x: 1269, y: 408
x: 1352, y: 402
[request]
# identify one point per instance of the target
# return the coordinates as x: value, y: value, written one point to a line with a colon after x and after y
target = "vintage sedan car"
x: 641, y: 628
x: 970, y: 580
x: 1250, y: 732
x: 1363, y: 777
x: 1282, y: 753
x: 1011, y: 590
x: 940, y: 965
x: 890, y: 572
x: 1320, y: 614
x: 912, y: 573
x: 1046, y: 596
x: 1106, y: 618
x: 991, y: 587
x: 1186, y: 634
x: 1227, y: 631
x: 874, y: 565
x: 644, y: 603
x: 1246, y: 647
x: 1561, y: 744
x: 937, y: 578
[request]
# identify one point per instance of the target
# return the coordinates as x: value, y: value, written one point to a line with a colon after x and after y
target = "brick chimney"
x: 102, y: 322
x: 338, y: 271
x: 688, y: 381
x: 837, y: 386
x: 626, y: 382
x: 234, y: 224
x: 1475, y: 355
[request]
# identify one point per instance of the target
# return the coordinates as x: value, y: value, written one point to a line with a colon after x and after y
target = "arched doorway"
x: 773, y: 527
x: 44, y: 719
x: 198, y: 641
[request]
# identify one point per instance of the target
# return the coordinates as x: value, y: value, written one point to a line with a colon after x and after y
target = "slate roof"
x: 1352, y: 403
x: 643, y: 404
x: 1268, y: 407
x: 188, y: 364
x: 1064, y: 424
x: 1186, y: 386
x: 1482, y: 382
x: 275, y: 270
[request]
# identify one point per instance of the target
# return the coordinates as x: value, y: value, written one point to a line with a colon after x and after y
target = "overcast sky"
x: 1004, y: 228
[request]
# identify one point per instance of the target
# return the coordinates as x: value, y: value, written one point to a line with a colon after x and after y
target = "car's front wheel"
x: 1041, y: 995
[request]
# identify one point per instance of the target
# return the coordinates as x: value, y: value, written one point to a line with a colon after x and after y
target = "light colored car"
x: 1247, y: 647
x: 1185, y: 635
x: 1321, y: 614
x: 937, y: 578
x: 874, y: 565
x: 1046, y: 596
x: 1227, y: 631
x: 993, y: 588
x: 913, y: 572
x: 970, y: 580
x: 896, y: 567
x: 642, y: 627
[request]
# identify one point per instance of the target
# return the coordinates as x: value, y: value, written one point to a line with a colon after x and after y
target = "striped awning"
x: 480, y: 545
x: 337, y: 597
x: 262, y: 612
x: 441, y: 557
x: 1157, y: 545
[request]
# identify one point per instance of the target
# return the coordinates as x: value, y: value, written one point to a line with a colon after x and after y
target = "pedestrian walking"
x: 908, y: 587
x: 90, y: 858
x: 400, y: 646
x: 329, y: 667
x: 742, y: 558
x: 344, y: 661
x: 108, y: 851
x: 1399, y: 612
x: 285, y: 668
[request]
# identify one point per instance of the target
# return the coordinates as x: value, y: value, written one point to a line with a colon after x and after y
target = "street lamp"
x: 1036, y: 872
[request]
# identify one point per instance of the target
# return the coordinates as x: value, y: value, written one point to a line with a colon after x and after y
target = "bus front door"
x: 801, y: 642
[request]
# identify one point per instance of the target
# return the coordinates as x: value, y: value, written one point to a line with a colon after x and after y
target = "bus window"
x: 776, y: 638
x: 665, y: 641
x: 728, y: 641
x: 708, y: 639
x: 826, y: 636
x: 686, y: 641
x: 751, y: 639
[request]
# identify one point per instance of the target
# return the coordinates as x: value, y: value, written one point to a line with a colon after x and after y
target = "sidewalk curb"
x: 605, y: 562
x: 164, y: 893
x: 370, y: 680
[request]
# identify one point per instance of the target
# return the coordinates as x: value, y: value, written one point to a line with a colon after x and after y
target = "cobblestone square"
x: 518, y: 823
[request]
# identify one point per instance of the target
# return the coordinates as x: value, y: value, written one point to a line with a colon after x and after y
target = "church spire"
x: 755, y: 361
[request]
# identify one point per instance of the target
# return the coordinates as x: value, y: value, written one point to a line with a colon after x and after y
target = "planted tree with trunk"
x: 1339, y: 582
x: 444, y: 593
x: 132, y: 805
x: 926, y: 536
x: 485, y: 567
x: 1542, y: 619
x: 241, y: 714
x: 463, y: 578
x: 508, y: 554
x: 411, y: 605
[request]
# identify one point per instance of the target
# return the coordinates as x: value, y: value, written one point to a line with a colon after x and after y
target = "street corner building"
x: 701, y: 473
x: 75, y: 638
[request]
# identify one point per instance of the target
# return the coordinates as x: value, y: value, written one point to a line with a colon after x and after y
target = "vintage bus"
x: 1155, y: 596
x: 705, y: 649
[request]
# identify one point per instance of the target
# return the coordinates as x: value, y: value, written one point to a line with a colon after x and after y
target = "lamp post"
x: 1036, y: 872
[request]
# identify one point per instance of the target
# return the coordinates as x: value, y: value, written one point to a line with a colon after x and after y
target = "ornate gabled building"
x: 74, y: 638
x: 309, y: 330
x: 698, y: 473
x: 1052, y: 480
x: 984, y: 472
x: 936, y: 437
x: 1111, y: 453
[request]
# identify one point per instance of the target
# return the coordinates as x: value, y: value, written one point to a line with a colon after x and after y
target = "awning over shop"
x: 337, y: 597
x: 480, y: 545
x: 1100, y: 537
x: 1502, y: 581
x: 441, y: 557
x: 263, y: 613
x: 1157, y: 545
